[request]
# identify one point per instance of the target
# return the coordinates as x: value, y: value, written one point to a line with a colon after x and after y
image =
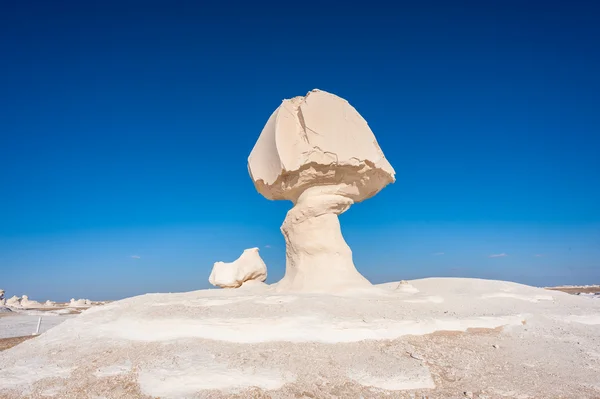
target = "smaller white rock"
x: 249, y: 266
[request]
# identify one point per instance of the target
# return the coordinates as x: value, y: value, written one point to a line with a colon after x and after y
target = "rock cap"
x: 318, y: 139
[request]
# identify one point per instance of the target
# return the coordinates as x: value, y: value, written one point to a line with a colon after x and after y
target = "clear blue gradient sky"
x: 125, y: 129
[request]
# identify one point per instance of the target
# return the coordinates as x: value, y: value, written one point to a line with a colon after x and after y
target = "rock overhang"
x: 318, y: 139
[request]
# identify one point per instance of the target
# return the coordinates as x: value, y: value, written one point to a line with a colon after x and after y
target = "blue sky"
x: 125, y: 129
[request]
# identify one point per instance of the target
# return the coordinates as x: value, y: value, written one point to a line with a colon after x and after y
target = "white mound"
x: 426, y: 336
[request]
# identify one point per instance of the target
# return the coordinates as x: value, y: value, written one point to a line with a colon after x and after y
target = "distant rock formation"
x: 2, y: 300
x: 27, y: 303
x: 79, y: 303
x: 248, y: 267
x: 14, y: 302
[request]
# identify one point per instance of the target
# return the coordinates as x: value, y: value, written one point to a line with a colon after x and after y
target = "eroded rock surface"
x: 318, y: 139
x: 499, y: 340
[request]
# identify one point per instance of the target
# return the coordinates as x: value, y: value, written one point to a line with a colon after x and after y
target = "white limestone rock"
x: 318, y: 152
x: 49, y: 303
x: 315, y: 138
x: 14, y: 302
x: 243, y: 343
x: 248, y: 267
x: 2, y: 299
x: 79, y: 303
x: 27, y: 303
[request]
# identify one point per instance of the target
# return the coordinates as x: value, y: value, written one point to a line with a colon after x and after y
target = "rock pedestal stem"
x: 317, y: 256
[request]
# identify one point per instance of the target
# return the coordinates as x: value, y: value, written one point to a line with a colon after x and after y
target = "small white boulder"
x: 249, y: 266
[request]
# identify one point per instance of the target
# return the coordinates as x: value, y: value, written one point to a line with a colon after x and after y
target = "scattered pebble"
x: 495, y: 346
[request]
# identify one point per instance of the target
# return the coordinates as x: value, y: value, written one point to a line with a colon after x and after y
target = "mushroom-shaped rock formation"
x: 318, y: 152
x: 249, y: 266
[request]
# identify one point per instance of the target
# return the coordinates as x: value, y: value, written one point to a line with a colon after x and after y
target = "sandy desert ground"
x: 434, y: 338
x: 576, y: 290
x: 7, y: 343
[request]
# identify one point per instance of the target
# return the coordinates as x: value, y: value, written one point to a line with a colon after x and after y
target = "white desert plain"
x: 323, y: 331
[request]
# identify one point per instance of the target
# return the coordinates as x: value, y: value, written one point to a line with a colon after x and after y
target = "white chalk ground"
x: 392, y: 340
